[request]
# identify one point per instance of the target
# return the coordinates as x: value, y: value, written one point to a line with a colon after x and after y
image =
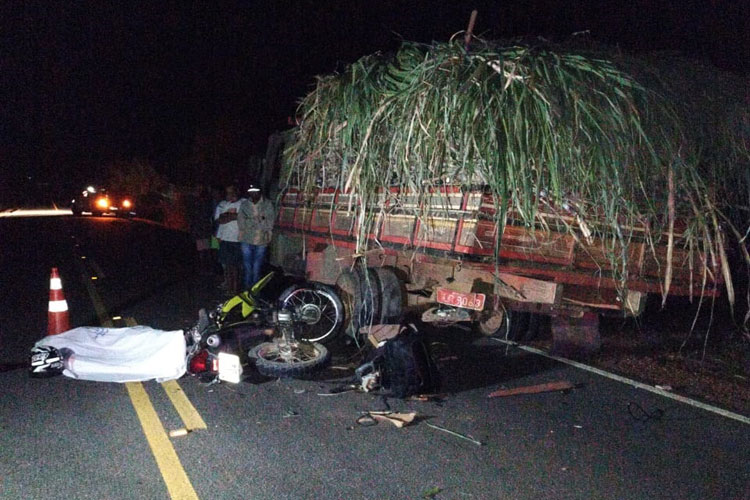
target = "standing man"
x: 228, y: 234
x: 255, y: 221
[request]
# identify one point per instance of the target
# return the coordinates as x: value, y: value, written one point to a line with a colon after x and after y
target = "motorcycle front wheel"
x: 282, y: 360
x: 318, y: 310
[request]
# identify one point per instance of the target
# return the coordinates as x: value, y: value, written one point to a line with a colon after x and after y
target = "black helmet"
x: 45, y: 361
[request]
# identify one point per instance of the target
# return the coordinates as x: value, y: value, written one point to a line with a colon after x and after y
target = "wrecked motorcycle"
x: 296, y: 326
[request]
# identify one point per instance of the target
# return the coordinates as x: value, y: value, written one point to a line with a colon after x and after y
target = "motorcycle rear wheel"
x: 303, y: 359
x: 320, y: 310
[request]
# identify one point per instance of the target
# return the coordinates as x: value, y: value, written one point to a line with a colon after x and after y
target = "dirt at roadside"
x: 659, y: 349
x: 720, y: 374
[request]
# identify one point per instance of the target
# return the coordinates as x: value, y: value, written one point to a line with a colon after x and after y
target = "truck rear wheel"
x: 392, y: 296
x: 490, y: 325
x: 350, y: 293
x: 539, y: 326
x: 372, y: 296
x: 361, y: 295
x: 508, y: 325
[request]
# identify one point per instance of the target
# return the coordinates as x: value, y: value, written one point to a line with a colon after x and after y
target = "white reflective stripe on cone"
x: 55, y: 284
x: 56, y: 306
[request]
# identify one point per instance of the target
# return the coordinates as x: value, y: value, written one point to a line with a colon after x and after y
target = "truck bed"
x: 460, y: 227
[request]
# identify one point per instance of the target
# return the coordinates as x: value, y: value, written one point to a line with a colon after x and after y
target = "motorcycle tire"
x: 309, y: 358
x: 320, y: 303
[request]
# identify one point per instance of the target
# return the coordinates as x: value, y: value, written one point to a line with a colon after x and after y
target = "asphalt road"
x: 281, y: 439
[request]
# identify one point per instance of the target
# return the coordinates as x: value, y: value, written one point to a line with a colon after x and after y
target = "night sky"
x: 87, y: 84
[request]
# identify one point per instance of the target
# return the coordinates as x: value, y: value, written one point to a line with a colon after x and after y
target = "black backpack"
x: 407, y: 366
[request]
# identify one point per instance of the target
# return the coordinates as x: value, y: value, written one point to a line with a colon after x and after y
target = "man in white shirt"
x: 228, y: 234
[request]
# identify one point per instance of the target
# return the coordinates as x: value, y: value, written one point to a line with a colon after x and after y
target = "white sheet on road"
x: 131, y: 354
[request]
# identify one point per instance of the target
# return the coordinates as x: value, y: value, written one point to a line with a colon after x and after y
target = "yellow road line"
x: 97, y: 269
x: 101, y: 310
x: 189, y: 415
x: 177, y: 481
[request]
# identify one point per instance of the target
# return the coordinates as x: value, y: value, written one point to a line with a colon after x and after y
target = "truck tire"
x: 391, y: 297
x: 350, y: 292
x: 372, y: 296
x: 309, y: 358
x: 539, y: 327
x: 514, y: 325
x: 520, y: 323
x: 360, y: 294
x: 491, y: 325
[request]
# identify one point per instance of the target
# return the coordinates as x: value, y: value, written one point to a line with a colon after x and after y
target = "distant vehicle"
x: 99, y: 201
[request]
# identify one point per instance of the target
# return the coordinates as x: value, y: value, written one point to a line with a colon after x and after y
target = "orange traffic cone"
x: 57, y: 318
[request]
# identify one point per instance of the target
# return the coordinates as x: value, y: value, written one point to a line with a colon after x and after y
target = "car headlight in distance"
x: 126, y: 203
x: 102, y: 203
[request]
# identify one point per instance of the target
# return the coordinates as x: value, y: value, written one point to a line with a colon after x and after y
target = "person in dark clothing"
x: 200, y: 212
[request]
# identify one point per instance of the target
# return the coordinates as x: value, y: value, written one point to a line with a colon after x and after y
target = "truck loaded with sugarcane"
x: 506, y: 183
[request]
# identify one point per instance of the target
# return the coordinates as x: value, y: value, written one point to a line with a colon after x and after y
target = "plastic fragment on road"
x: 432, y: 492
x: 378, y: 333
x: 561, y: 385
x: 132, y: 354
x: 397, y: 419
